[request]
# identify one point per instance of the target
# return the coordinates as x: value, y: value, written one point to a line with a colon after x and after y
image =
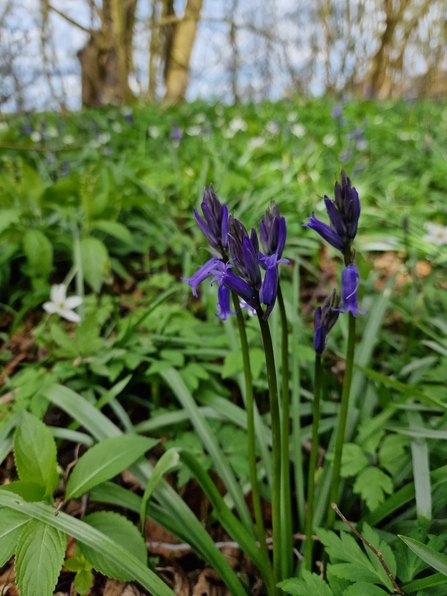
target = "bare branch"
x: 69, y: 19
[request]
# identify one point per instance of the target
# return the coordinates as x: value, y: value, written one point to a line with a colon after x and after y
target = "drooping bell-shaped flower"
x: 350, y: 279
x: 205, y: 271
x: 324, y: 319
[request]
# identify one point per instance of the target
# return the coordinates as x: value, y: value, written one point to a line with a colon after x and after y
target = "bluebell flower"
x: 245, y: 253
x: 344, y: 213
x: 350, y: 279
x: 223, y: 303
x: 324, y: 319
x: 215, y: 225
x: 336, y: 112
x: 273, y: 231
x: 205, y: 271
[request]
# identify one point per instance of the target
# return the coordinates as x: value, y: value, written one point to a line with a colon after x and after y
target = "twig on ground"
x: 371, y: 547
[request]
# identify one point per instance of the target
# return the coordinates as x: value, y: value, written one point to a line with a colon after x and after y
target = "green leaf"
x: 39, y: 558
x: 29, y: 491
x: 9, y: 217
x: 64, y: 341
x: 387, y: 554
x: 364, y: 589
x: 167, y: 461
x: 83, y: 581
x: 114, y: 228
x: 392, y: 453
x: 371, y: 485
x: 353, y: 460
x: 95, y: 262
x: 421, y: 472
x: 105, y: 460
x: 39, y: 253
x: 35, y: 453
x: 82, y: 532
x: 357, y: 566
x: 436, y: 560
x: 121, y: 531
x: 310, y: 583
x: 11, y: 526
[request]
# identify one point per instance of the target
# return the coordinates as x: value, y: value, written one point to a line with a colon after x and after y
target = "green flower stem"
x: 267, y: 571
x: 296, y: 404
x: 342, y: 422
x: 313, y: 462
x: 286, y: 500
x: 279, y: 547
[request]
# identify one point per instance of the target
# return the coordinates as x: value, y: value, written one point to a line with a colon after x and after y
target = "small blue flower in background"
x: 344, y: 213
x: 350, y: 279
x: 336, y: 112
x: 324, y: 319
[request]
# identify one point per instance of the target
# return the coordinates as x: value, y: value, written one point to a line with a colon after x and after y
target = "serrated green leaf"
x: 353, y: 460
x: 95, y: 262
x: 232, y: 364
x: 372, y: 484
x: 11, y: 526
x: 364, y: 589
x: 39, y: 253
x: 373, y: 538
x: 309, y: 583
x: 105, y: 460
x: 39, y: 558
x: 123, y: 532
x: 391, y: 452
x: 83, y: 581
x: 35, y: 453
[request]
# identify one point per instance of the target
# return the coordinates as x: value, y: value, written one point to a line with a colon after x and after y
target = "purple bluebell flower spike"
x: 324, y: 319
x: 350, y: 279
x: 273, y: 231
x: 215, y: 225
x: 344, y: 213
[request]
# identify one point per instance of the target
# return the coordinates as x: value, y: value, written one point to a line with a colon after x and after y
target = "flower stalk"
x: 344, y: 406
x: 286, y: 499
x: 260, y: 529
x: 279, y: 545
x: 313, y: 462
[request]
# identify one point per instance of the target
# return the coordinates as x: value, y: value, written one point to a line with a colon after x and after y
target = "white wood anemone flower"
x: 61, y: 305
x: 437, y: 234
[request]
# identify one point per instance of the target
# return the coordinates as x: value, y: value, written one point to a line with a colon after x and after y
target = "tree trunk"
x: 106, y: 59
x: 178, y: 60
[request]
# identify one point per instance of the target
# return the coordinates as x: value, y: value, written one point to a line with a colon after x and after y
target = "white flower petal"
x: 73, y: 302
x: 50, y: 307
x: 58, y: 293
x: 65, y: 313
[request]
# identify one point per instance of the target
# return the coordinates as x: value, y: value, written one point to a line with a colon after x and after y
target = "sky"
x: 263, y: 67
